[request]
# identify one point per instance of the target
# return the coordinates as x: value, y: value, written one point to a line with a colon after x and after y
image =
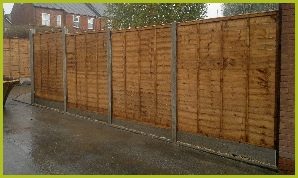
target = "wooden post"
x: 174, y: 81
x: 32, y: 65
x: 64, y: 69
x: 109, y: 70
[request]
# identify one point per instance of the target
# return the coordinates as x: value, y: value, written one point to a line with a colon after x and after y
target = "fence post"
x: 109, y: 70
x: 31, y: 31
x: 174, y: 81
x: 64, y: 68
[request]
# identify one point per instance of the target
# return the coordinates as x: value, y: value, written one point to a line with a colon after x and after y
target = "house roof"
x: 88, y: 9
x: 7, y: 20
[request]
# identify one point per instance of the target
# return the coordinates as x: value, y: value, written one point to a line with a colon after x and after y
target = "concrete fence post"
x: 109, y: 70
x: 64, y: 68
x: 174, y: 81
x: 31, y: 32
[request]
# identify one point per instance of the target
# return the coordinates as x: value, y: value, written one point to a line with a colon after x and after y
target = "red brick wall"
x: 22, y: 14
x: 27, y: 14
x: 53, y: 15
x: 83, y: 23
x: 286, y: 163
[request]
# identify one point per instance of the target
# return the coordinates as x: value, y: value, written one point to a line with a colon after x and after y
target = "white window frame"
x: 58, y: 20
x: 90, y: 22
x: 76, y: 23
x: 45, y: 19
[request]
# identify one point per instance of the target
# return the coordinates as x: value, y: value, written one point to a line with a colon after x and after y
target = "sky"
x: 213, y: 8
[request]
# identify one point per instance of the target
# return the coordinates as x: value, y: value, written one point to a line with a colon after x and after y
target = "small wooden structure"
x: 8, y: 84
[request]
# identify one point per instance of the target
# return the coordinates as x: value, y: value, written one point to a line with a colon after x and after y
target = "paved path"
x: 43, y: 141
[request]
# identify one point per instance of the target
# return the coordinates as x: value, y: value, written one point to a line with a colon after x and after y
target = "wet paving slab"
x: 43, y: 141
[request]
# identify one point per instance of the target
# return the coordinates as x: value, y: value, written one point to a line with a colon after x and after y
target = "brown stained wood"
x: 221, y: 77
x: 47, y: 83
x: 97, y: 73
x: 247, y: 80
x: 125, y: 76
x: 84, y: 86
x: 76, y: 72
x: 261, y: 131
x: 234, y: 135
x: 64, y: 68
x: 230, y: 18
x: 155, y: 75
x: 31, y: 66
x: 261, y: 140
x: 139, y: 75
x: 211, y: 124
x: 39, y: 90
x: 237, y: 51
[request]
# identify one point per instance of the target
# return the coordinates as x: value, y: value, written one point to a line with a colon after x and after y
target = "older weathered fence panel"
x: 16, y: 58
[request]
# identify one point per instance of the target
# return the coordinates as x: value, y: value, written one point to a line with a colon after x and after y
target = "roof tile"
x: 75, y: 8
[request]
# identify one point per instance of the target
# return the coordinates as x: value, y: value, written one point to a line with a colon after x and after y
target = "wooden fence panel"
x: 132, y: 85
x: 16, y: 58
x: 119, y: 74
x: 261, y: 108
x: 102, y: 82
x: 163, y: 78
x: 141, y: 74
x: 71, y: 71
x: 87, y: 72
x: 37, y: 65
x: 226, y: 78
x: 225, y: 75
x: 235, y: 50
x: 148, y: 73
x: 48, y: 64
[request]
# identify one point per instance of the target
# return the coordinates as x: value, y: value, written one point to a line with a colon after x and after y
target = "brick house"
x: 73, y: 16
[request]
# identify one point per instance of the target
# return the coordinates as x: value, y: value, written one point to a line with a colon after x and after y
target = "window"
x: 45, y: 19
x: 58, y: 20
x: 76, y: 20
x: 90, y: 23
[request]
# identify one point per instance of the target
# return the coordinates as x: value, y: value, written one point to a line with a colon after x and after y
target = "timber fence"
x: 215, y: 77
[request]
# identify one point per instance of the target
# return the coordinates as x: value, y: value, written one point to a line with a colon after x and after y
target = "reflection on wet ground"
x: 41, y: 141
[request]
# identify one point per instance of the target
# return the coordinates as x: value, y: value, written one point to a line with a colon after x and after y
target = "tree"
x: 128, y: 15
x: 230, y: 9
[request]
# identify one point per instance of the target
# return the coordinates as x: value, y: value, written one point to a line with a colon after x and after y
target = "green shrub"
x: 22, y: 31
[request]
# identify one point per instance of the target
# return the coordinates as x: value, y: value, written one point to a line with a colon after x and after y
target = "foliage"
x: 230, y: 9
x: 130, y: 15
x: 22, y: 31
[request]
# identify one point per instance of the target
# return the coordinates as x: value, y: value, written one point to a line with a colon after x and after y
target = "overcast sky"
x: 214, y: 9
